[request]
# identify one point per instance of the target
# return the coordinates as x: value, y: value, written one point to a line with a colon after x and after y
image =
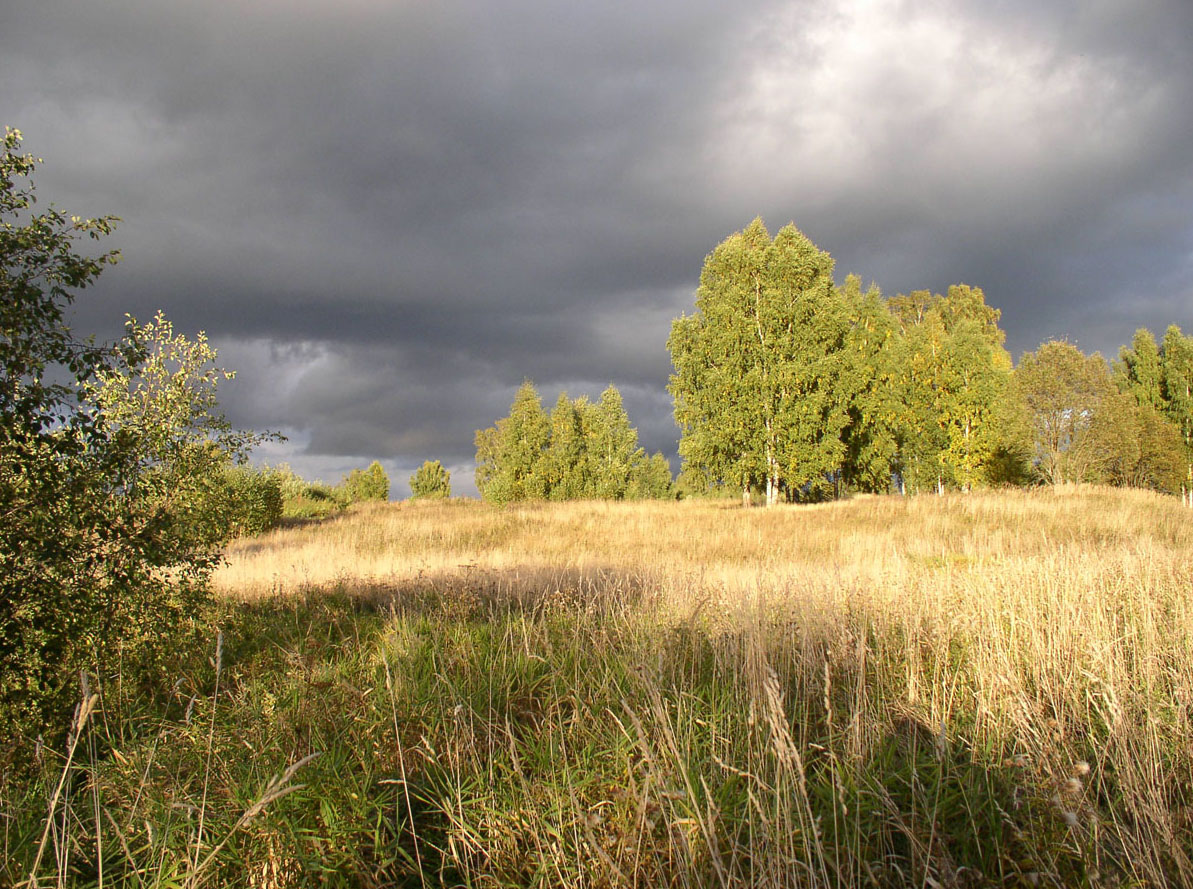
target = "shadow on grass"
x: 301, y: 629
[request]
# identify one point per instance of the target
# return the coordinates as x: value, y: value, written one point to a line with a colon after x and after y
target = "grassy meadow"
x: 990, y: 689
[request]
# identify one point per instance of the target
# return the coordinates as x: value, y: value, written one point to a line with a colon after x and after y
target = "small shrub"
x: 367, y: 484
x: 431, y: 481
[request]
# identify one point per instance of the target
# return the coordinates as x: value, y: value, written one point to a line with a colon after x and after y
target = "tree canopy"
x: 757, y: 367
x: 1161, y: 377
x: 1063, y: 392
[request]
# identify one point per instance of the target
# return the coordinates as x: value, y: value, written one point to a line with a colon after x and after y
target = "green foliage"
x: 303, y: 499
x: 565, y: 467
x: 1137, y: 446
x: 870, y: 381
x: 431, y: 481
x: 363, y: 485
x: 611, y: 443
x: 165, y: 414
x: 783, y: 380
x: 255, y: 500
x: 758, y: 367
x: 956, y: 378
x: 291, y: 483
x: 1178, y: 381
x: 1085, y: 429
x: 1063, y: 391
x: 487, y: 457
x: 510, y: 455
x: 112, y: 461
x: 1140, y: 371
x: 581, y: 450
x: 650, y: 479
x: 317, y: 501
x: 1161, y: 378
x: 695, y: 483
x: 786, y: 382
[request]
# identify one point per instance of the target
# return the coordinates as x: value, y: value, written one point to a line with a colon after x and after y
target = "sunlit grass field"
x: 975, y: 690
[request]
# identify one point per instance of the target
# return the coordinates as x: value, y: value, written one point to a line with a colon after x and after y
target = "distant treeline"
x: 791, y: 387
x: 581, y: 450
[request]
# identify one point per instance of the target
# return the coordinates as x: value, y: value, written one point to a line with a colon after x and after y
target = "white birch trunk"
x: 772, y: 465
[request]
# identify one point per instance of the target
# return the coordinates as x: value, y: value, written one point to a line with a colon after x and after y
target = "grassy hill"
x: 991, y: 689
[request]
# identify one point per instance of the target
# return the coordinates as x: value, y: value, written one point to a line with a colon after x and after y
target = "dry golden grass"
x: 981, y: 551
x: 1046, y: 633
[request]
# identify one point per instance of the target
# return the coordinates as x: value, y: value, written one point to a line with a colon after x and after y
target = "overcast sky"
x: 387, y: 214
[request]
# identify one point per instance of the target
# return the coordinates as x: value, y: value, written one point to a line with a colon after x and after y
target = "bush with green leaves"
x: 362, y: 485
x: 303, y: 499
x: 254, y: 500
x: 431, y: 481
x: 112, y: 460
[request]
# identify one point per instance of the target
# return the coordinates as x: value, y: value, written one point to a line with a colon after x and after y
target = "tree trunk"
x: 745, y: 495
x: 772, y: 466
x: 772, y: 481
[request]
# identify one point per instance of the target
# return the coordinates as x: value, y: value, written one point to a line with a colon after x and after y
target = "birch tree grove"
x: 784, y: 381
x: 790, y: 385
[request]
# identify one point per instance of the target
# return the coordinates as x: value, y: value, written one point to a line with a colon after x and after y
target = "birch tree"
x: 612, y: 446
x: 1178, y: 396
x: 1139, y: 369
x: 871, y: 383
x: 565, y: 463
x: 956, y: 377
x: 1063, y: 391
x: 431, y: 481
x: 1161, y: 377
x: 510, y: 454
x: 758, y: 366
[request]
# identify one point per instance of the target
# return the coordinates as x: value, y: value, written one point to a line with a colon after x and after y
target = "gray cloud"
x: 387, y: 215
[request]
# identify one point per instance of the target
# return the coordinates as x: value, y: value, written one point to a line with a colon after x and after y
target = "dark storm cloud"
x: 388, y: 215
